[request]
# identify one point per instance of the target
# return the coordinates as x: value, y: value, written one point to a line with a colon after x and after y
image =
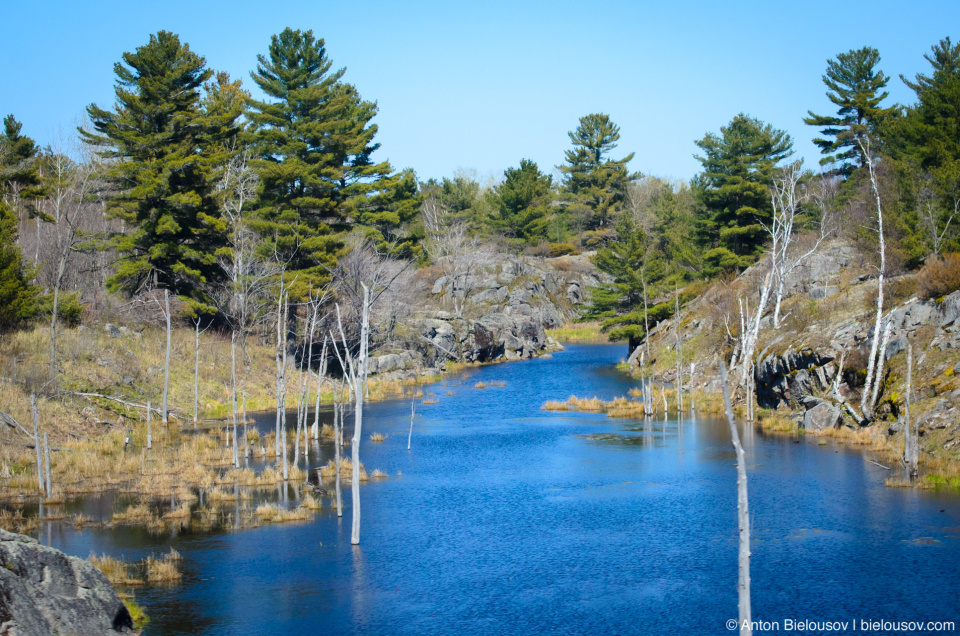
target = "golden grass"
x: 271, y: 513
x: 117, y: 571
x: 346, y: 470
x: 163, y: 569
x: 378, y: 474
x: 377, y: 437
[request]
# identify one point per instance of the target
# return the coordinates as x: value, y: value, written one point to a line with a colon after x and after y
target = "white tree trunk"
x: 36, y: 440
x: 196, y: 372
x: 233, y: 374
x: 868, y: 386
x: 743, y: 513
x: 359, y: 379
x: 166, y: 366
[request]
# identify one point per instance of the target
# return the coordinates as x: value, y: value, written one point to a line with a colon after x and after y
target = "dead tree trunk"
x: 196, y: 371
x: 233, y: 373
x: 679, y: 345
x: 46, y: 457
x: 149, y: 429
x: 36, y: 440
x: 166, y: 366
x: 743, y: 513
x: 359, y: 381
x: 865, y: 407
x: 912, y: 446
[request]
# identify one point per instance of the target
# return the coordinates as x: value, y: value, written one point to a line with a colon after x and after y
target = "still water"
x: 511, y: 520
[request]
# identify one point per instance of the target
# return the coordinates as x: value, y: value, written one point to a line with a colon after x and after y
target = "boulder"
x: 112, y: 330
x: 826, y: 291
x: 44, y: 591
x: 949, y: 309
x: 440, y: 284
x: 788, y: 377
x: 822, y: 416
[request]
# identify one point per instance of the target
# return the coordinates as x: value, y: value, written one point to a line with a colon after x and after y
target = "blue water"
x: 512, y: 520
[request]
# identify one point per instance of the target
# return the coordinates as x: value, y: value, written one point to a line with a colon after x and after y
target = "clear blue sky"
x: 482, y: 85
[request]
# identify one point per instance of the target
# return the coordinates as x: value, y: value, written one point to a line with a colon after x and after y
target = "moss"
x: 139, y: 616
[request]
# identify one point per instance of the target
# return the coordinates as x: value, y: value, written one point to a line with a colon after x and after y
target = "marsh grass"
x: 578, y: 332
x: 377, y: 437
x: 163, y: 569
x: 272, y: 513
x: 116, y: 570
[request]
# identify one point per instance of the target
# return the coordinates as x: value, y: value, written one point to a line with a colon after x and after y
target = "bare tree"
x: 866, y: 405
x: 786, y: 200
x: 743, y: 512
x: 932, y: 214
x: 911, y: 451
x: 460, y: 255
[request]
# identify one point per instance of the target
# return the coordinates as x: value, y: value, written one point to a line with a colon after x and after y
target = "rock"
x: 440, y: 284
x: 44, y: 591
x: 822, y: 416
x: 895, y: 346
x: 820, y: 293
x: 949, y: 309
x: 790, y: 376
x: 112, y: 330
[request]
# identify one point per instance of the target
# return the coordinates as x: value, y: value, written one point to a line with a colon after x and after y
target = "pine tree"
x: 638, y: 270
x: 20, y: 159
x: 165, y: 152
x: 315, y: 141
x: 596, y: 183
x: 523, y: 201
x: 18, y: 298
x: 855, y: 87
x: 732, y: 190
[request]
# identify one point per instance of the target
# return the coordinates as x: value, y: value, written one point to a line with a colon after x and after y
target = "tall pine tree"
x: 314, y: 137
x: 597, y: 184
x: 855, y: 87
x: 164, y: 153
x: 732, y: 190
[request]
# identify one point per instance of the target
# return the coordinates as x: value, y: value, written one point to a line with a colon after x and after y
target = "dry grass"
x: 346, y: 470
x: 378, y: 474
x: 939, y: 276
x: 117, y: 571
x: 163, y: 569
x: 377, y: 437
x: 271, y: 513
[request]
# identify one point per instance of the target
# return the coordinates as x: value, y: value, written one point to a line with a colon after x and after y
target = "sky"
x: 480, y: 86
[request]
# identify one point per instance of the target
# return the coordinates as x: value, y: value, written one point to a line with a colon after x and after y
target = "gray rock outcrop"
x: 43, y: 591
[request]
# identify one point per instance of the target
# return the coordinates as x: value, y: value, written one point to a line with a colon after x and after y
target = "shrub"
x: 940, y: 276
x: 561, y: 249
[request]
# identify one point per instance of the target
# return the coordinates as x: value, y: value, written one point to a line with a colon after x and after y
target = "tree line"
x: 189, y: 184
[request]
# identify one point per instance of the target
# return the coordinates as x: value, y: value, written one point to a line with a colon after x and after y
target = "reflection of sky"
x: 511, y: 520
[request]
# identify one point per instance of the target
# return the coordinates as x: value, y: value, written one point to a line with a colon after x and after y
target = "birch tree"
x: 866, y: 403
x: 743, y: 513
x: 785, y: 201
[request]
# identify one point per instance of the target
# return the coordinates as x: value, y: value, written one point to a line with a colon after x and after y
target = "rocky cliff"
x: 43, y: 591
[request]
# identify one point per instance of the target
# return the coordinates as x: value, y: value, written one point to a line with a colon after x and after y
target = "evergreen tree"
x: 18, y: 298
x: 164, y: 152
x: 389, y: 215
x: 523, y: 202
x: 315, y: 140
x: 925, y: 145
x: 637, y: 267
x: 20, y: 160
x: 732, y: 190
x: 597, y: 184
x: 855, y: 87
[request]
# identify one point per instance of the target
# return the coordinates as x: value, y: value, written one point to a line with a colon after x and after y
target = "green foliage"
x: 18, y: 298
x: 20, y: 161
x: 638, y: 270
x: 596, y: 185
x: 854, y: 87
x: 315, y: 142
x: 69, y: 309
x: 733, y: 191
x: 523, y: 201
x: 164, y: 149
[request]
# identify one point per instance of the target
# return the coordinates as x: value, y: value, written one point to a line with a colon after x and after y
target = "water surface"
x: 511, y: 520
